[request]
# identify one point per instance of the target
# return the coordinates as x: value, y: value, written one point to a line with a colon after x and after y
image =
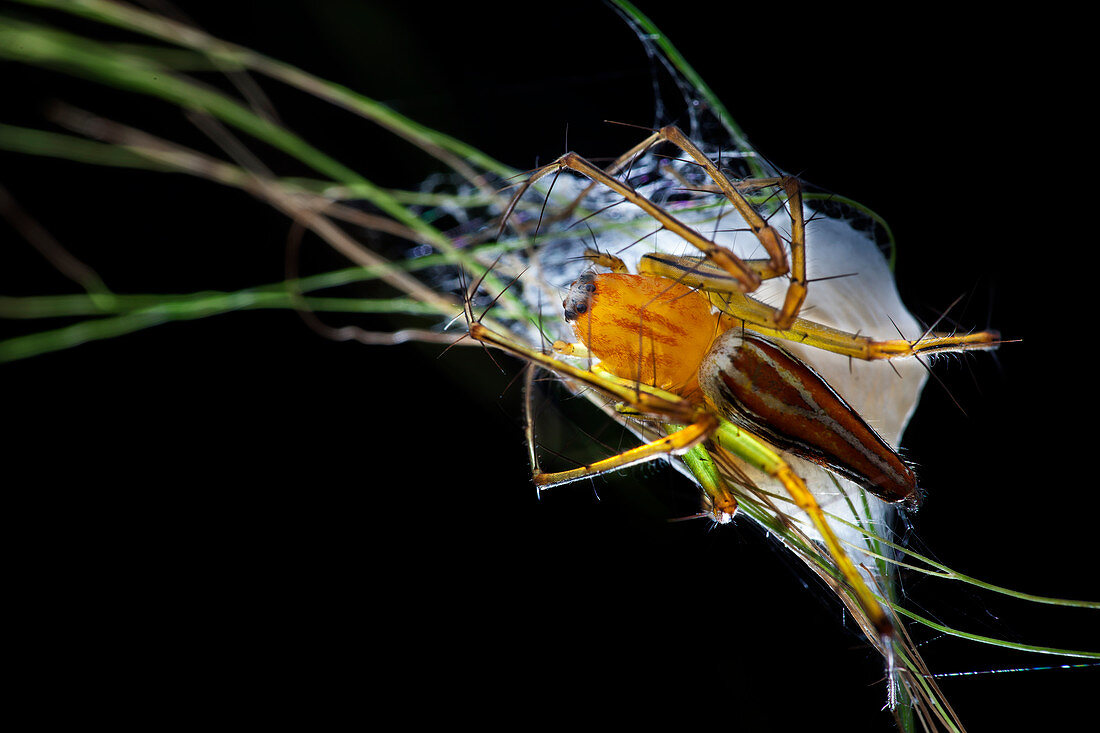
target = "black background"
x: 239, y: 510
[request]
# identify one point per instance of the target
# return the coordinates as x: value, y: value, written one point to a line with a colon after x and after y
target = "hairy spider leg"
x: 748, y: 278
x: 700, y: 424
x: 697, y: 272
x: 776, y: 265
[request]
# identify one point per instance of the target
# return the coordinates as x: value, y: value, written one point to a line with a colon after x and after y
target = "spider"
x: 682, y: 342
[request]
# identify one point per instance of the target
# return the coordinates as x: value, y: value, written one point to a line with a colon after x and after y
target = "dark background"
x: 238, y: 509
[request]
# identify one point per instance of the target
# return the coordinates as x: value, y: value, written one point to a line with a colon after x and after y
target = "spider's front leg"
x: 691, y: 425
x: 670, y: 407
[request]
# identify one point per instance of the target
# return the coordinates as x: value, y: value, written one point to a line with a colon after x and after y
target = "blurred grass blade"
x: 454, y: 152
x: 48, y: 47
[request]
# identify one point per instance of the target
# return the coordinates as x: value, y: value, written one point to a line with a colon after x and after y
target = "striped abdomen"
x: 767, y: 390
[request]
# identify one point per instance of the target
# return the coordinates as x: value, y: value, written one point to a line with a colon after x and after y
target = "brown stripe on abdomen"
x: 758, y: 384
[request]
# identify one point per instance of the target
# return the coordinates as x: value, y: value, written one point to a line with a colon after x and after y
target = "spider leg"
x: 776, y: 265
x: 741, y: 310
x: 746, y: 447
x: 675, y: 443
x: 688, y: 424
x: 644, y: 400
x: 746, y: 277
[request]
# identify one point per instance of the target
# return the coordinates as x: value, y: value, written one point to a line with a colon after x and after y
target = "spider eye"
x: 576, y: 302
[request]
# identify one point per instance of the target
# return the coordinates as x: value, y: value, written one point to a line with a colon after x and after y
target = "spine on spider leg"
x: 935, y: 343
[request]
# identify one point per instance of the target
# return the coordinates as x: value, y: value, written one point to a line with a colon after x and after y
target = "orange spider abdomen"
x: 652, y: 330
